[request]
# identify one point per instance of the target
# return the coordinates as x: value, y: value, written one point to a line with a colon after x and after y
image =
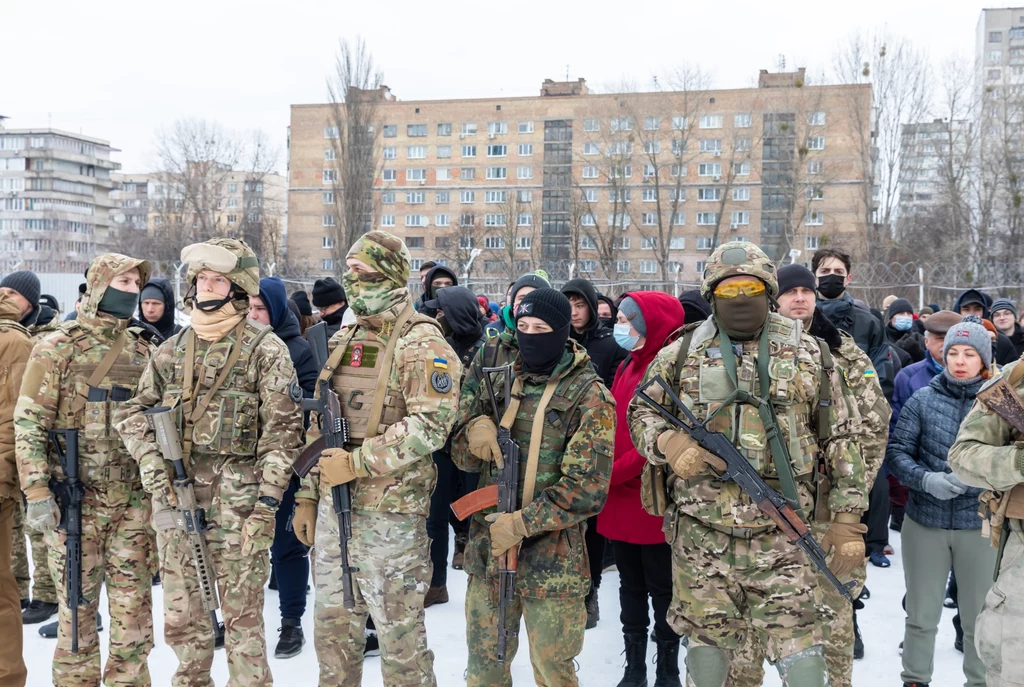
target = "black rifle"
x: 503, y: 494
x: 334, y: 433
x: 70, y: 492
x: 735, y: 467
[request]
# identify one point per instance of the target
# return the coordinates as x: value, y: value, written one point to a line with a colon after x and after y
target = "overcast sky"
x: 122, y: 70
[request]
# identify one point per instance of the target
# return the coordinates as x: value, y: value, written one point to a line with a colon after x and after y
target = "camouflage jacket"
x: 865, y: 402
x: 399, y: 460
x: 573, y: 472
x: 497, y: 351
x: 57, y: 374
x: 988, y: 451
x: 15, y: 347
x: 795, y: 369
x: 245, y: 443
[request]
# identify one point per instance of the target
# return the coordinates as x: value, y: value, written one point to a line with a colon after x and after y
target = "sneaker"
x: 291, y: 639
x: 37, y: 612
x: 49, y: 630
x: 949, y: 603
x: 889, y: 551
x: 436, y: 595
x: 865, y: 593
x: 593, y: 611
x: 958, y: 644
x: 879, y: 560
x: 372, y: 647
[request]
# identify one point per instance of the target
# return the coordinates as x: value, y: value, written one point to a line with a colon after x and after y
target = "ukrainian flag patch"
x: 869, y: 373
x: 441, y: 363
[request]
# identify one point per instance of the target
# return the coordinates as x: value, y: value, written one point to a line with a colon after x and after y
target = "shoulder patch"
x: 295, y: 391
x: 441, y: 382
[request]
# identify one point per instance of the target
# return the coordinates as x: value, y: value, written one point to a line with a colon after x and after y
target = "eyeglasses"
x: 753, y: 287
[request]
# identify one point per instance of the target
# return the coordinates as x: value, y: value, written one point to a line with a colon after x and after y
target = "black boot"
x: 37, y: 612
x: 858, y: 643
x: 667, y: 666
x: 291, y: 641
x: 636, y: 661
x: 593, y: 611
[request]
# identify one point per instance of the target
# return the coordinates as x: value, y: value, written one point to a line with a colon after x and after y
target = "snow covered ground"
x: 600, y: 664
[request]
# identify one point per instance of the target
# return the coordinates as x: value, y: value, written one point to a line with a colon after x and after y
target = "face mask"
x: 743, y: 316
x: 541, y: 352
x: 367, y: 292
x: 607, y: 322
x: 832, y: 285
x: 903, y: 323
x: 120, y: 304
x: 622, y: 337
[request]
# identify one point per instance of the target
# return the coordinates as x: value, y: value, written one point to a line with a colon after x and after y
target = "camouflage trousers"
x: 115, y: 551
x: 726, y: 587
x: 554, y: 629
x: 188, y: 629
x: 43, y: 588
x: 392, y: 554
x: 997, y: 633
x: 12, y: 664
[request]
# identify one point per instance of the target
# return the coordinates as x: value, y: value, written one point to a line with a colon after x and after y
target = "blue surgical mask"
x: 903, y: 323
x: 622, y: 337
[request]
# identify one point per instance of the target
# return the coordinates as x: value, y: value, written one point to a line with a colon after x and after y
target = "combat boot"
x: 858, y: 642
x: 436, y: 595
x: 636, y: 661
x: 291, y: 638
x: 593, y: 611
x: 459, y: 557
x: 37, y: 612
x: 667, y: 663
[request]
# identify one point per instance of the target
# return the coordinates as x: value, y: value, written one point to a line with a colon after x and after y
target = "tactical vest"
x: 496, y: 353
x: 230, y: 425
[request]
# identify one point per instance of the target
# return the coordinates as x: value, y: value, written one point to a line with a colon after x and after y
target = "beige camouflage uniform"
x: 243, y: 447
x: 721, y: 541
x: 989, y: 453
x: 116, y: 510
x: 389, y: 544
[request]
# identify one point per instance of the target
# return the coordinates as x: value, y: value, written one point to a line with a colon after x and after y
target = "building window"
x: 649, y: 219
x: 648, y: 242
x: 494, y: 196
x: 705, y: 194
x: 526, y: 127
x: 327, y: 242
x: 415, y: 175
x: 711, y: 122
x: 811, y: 243
x: 468, y: 151
x: 390, y: 130
x: 497, y: 150
x: 524, y: 196
x: 414, y: 241
x: 741, y: 169
x: 678, y: 123
x: 620, y: 148
x: 621, y: 195
x: 466, y: 197
x: 494, y: 242
x: 466, y: 242
x: 467, y: 174
x: 524, y: 172
x: 388, y: 175
x: 816, y: 119
x: 387, y: 220
x: 587, y: 220
x: 739, y: 217
x: 389, y: 152
x: 621, y: 124
x: 416, y: 220
x: 442, y: 197
x: 652, y: 123
x: 709, y: 169
x: 623, y: 242
x: 414, y: 130
x: 815, y: 167
x: 443, y: 174
x: 707, y: 219
x: 442, y: 243
x: 815, y: 193
x: 416, y: 152
x: 648, y: 267
x: 497, y: 173
x: 816, y: 143
x: 415, y: 197
x: 524, y: 242
x: 741, y: 121
x: 327, y: 221
x: 590, y: 195
x: 815, y: 219
x: 329, y: 154
x: 232, y: 219
x: 649, y: 195
x: 679, y: 219
x: 677, y: 243
x: 494, y: 128
x: 329, y: 132
x: 995, y: 56
x: 591, y: 125
x: 711, y: 145
x: 741, y: 194
x: 742, y: 145
x: 652, y: 147
x: 524, y: 220
x: 622, y: 266
x: 591, y: 149
x: 622, y: 171
x: 442, y: 220
x: 588, y: 266
x: 619, y: 221
x: 649, y: 172
x: 587, y: 243
x: 387, y: 198
x: 468, y: 128
x: 993, y: 74
x: 330, y: 176
x: 705, y: 243
x: 590, y: 172
x: 444, y: 129
x: 328, y: 197
x: 327, y: 264
x: 995, y: 36
x: 525, y: 149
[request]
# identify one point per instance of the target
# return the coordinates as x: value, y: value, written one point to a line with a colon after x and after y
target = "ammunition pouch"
x: 654, y: 489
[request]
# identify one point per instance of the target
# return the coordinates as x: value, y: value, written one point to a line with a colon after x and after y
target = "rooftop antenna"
x: 566, y: 72
x: 782, y: 63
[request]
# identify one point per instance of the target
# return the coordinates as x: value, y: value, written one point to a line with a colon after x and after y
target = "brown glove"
x: 685, y: 456
x: 337, y: 467
x: 507, y: 530
x: 845, y: 536
x: 482, y: 434
x: 304, y: 521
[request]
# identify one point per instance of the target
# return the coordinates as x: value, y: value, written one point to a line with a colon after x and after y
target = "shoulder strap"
x: 825, y: 392
x: 377, y: 408
x: 333, y: 360
x: 684, y: 350
x: 101, y: 371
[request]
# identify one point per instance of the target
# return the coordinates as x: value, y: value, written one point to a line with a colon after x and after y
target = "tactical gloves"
x: 685, y: 456
x: 304, y: 521
x: 337, y: 467
x: 482, y: 434
x: 943, y: 485
x: 42, y: 513
x: 258, y: 529
x: 845, y: 536
x: 156, y: 480
x: 507, y: 530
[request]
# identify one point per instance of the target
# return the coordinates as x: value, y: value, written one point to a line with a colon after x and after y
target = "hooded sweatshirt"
x: 1003, y: 349
x: 286, y: 328
x: 165, y: 326
x: 462, y: 313
x: 623, y: 518
x: 605, y: 354
x: 428, y: 292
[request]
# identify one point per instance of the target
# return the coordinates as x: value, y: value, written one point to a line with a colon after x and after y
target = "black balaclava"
x: 540, y: 353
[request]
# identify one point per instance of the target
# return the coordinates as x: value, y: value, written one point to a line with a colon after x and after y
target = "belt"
x: 740, y: 532
x: 114, y: 473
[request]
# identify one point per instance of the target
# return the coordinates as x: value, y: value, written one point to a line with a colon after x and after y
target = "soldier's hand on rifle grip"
x: 337, y: 467
x: 685, y: 456
x: 846, y: 537
x: 304, y: 521
x: 156, y: 478
x: 482, y: 435
x: 42, y: 513
x: 507, y: 530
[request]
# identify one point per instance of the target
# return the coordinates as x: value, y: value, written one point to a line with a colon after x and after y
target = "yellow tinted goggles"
x: 752, y: 287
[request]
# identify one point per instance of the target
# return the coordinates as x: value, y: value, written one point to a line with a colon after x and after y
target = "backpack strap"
x: 825, y: 392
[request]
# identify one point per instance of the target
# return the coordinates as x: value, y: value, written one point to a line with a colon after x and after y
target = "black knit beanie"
x: 24, y: 282
x: 301, y: 299
x: 327, y: 292
x: 548, y: 305
x: 792, y: 276
x: 898, y: 306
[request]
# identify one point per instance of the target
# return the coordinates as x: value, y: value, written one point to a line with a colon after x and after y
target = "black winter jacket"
x: 605, y: 354
x: 165, y: 326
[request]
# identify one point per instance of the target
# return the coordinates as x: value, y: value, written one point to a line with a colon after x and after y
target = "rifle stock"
x: 1002, y: 399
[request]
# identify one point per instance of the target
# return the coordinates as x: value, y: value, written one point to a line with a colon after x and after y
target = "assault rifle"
x: 189, y: 516
x: 503, y: 494
x: 334, y: 433
x: 69, y: 493
x: 732, y: 465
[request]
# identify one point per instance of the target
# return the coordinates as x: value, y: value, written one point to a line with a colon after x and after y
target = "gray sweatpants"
x: 928, y: 554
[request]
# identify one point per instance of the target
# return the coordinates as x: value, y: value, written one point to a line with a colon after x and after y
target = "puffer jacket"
x: 927, y: 427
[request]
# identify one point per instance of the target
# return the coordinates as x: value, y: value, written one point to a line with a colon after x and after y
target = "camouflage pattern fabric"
x: 574, y: 467
x: 738, y: 258
x: 244, y: 272
x: 554, y: 629
x: 42, y: 588
x: 473, y: 401
x: 377, y: 291
x: 392, y: 554
x: 866, y: 401
x: 19, y: 552
x: 115, y: 543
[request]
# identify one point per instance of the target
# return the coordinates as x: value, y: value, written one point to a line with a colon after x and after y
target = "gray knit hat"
x: 26, y: 283
x: 1003, y: 304
x: 971, y: 332
x: 631, y: 310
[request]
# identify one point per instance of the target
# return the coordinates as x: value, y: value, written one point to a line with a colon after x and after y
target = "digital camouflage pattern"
x: 115, y: 541
x: 392, y: 554
x: 243, y: 448
x: 736, y: 258
x: 245, y: 273
x: 989, y: 453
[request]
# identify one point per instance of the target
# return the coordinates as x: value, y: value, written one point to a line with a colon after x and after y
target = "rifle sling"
x: 377, y: 408
x: 101, y: 371
x: 536, y: 433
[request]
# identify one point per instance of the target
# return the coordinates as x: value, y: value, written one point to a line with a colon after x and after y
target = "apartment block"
x: 618, y: 187
x: 999, y: 46
x: 929, y: 153
x: 54, y: 199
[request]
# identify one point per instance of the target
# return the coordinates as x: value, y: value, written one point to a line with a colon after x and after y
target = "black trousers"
x: 595, y: 551
x: 451, y: 484
x: 877, y: 517
x: 645, y: 570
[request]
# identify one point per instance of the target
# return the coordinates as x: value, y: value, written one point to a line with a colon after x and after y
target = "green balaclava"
x: 120, y: 304
x: 373, y: 292
x: 741, y: 317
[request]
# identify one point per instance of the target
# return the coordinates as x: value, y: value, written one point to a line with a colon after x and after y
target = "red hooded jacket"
x: 623, y: 518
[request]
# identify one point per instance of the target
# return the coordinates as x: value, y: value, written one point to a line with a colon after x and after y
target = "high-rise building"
x: 999, y: 46
x: 618, y: 187
x: 54, y: 199
x: 930, y: 154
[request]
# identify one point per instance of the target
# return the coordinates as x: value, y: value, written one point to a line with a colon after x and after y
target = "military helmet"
x: 735, y: 258
x: 231, y: 257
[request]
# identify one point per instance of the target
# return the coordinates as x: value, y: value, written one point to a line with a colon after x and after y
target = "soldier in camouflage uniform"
x: 864, y: 401
x: 989, y: 453
x: 562, y: 418
x: 241, y: 426
x: 97, y: 355
x: 392, y: 352
x: 733, y: 569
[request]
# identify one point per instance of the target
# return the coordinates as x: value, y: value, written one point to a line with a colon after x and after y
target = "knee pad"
x: 804, y: 669
x: 707, y: 666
